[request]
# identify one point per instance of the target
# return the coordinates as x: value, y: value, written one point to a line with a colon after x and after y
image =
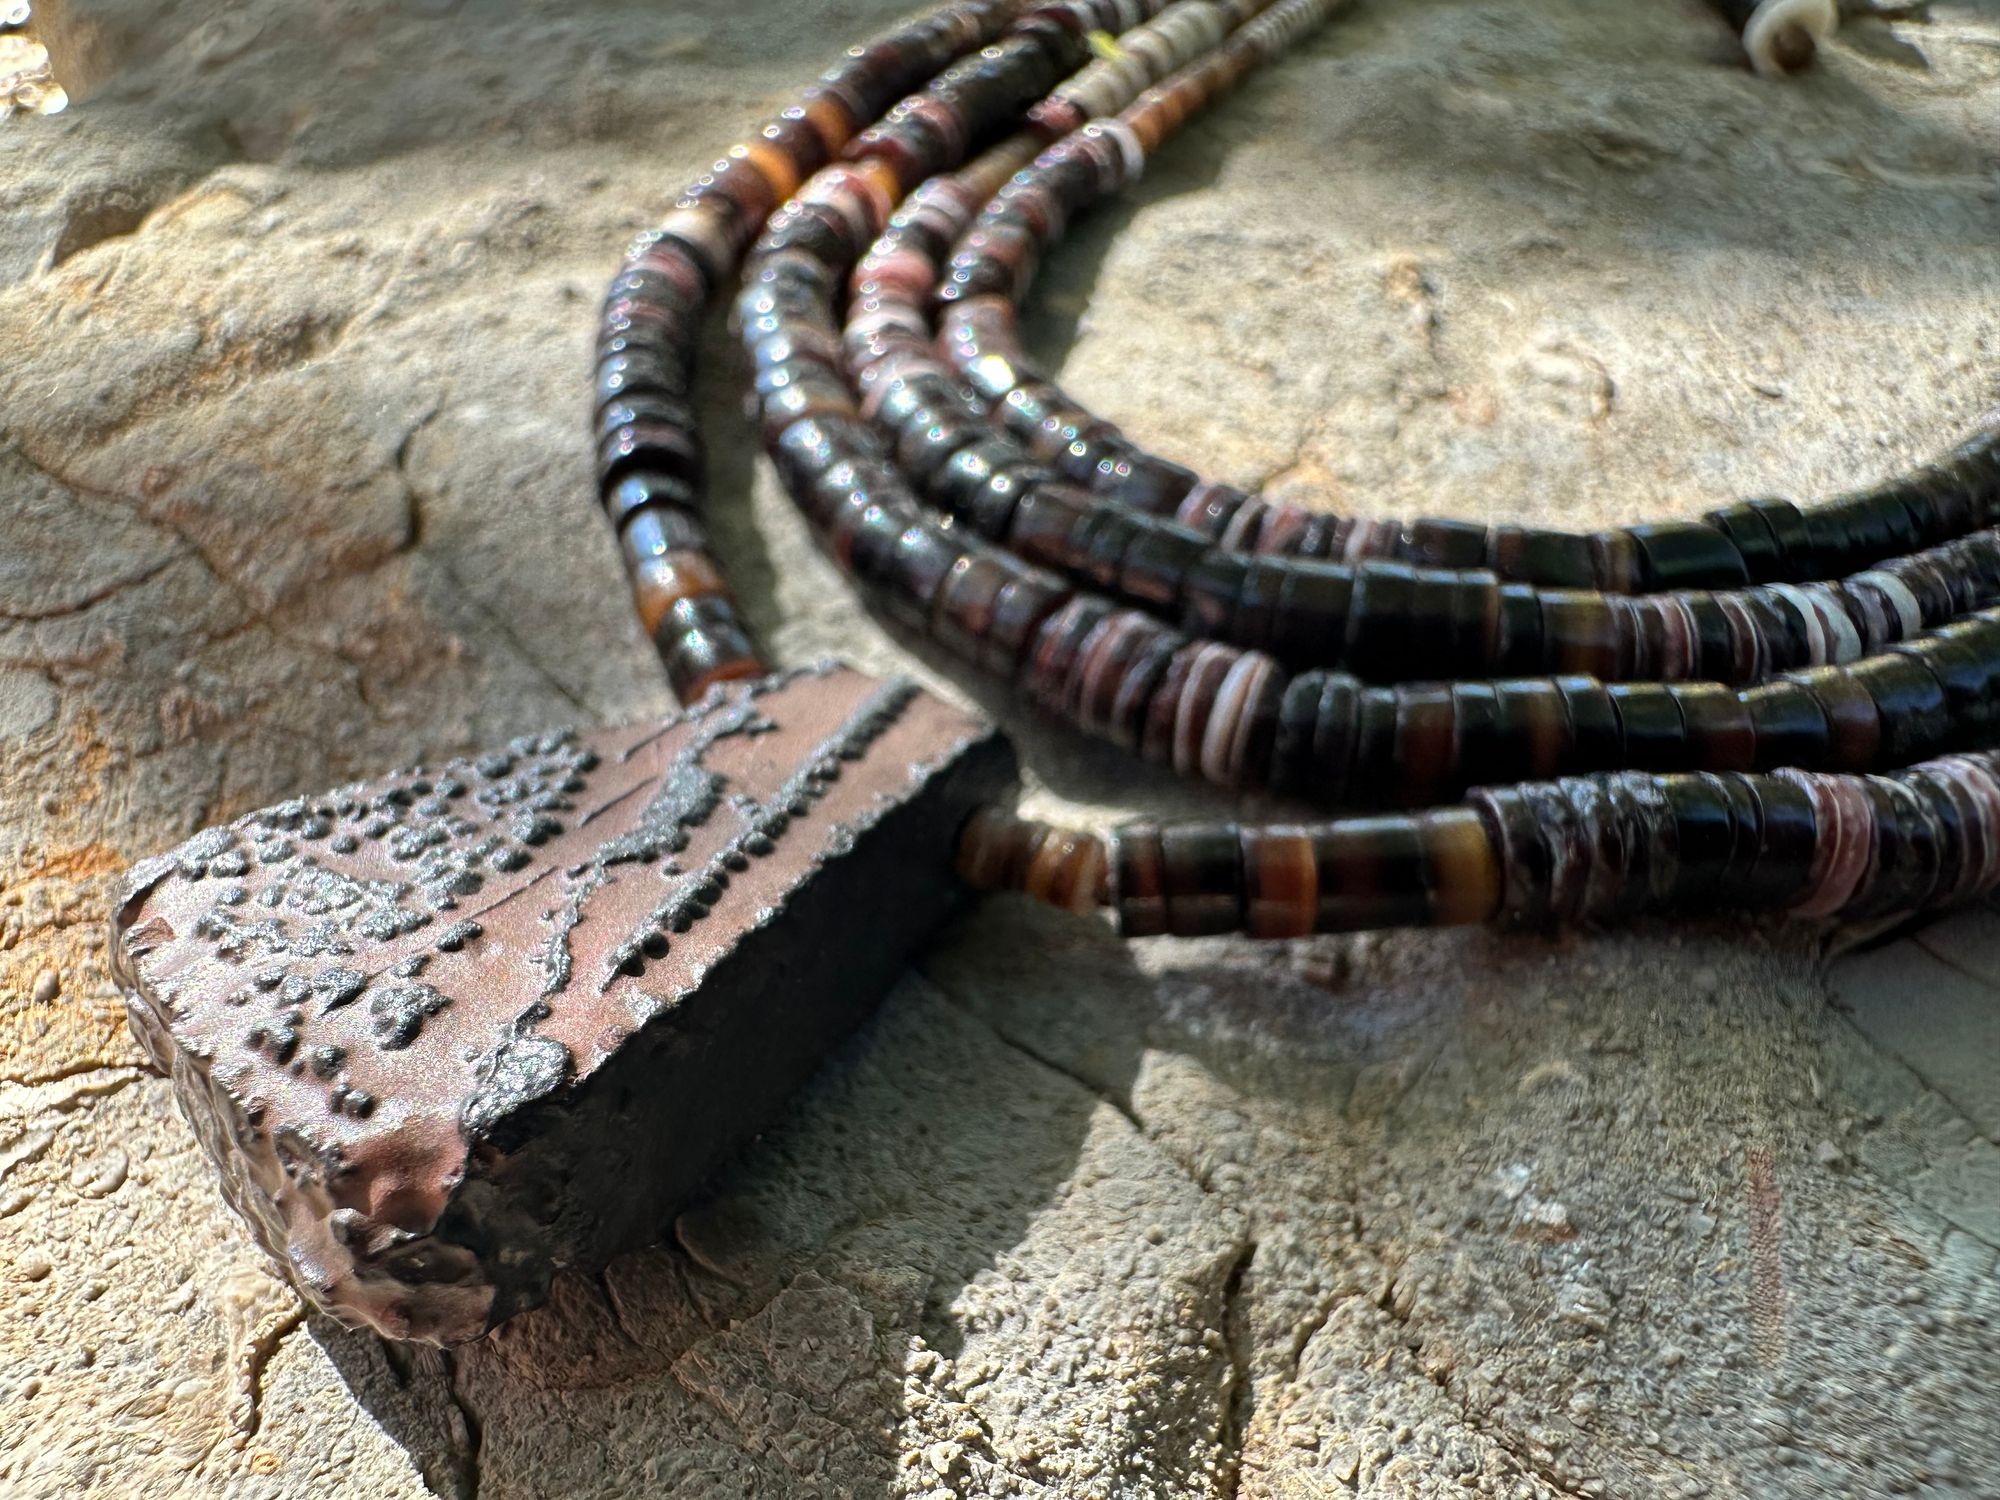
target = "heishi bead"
x: 1282, y: 873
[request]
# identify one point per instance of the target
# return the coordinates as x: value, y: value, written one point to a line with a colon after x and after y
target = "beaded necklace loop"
x: 1660, y: 716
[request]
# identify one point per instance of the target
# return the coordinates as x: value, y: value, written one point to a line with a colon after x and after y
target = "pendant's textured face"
x: 446, y: 1031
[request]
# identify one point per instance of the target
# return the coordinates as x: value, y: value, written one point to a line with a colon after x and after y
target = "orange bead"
x: 659, y: 583
x: 773, y: 165
x: 1283, y: 878
x: 980, y: 849
x: 887, y: 186
x: 830, y: 118
x: 1464, y: 870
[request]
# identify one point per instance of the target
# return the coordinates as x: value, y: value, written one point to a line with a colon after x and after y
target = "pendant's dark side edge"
x: 581, y: 1169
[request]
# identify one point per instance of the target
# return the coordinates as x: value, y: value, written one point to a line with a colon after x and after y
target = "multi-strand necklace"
x: 1765, y: 655
x: 449, y: 1031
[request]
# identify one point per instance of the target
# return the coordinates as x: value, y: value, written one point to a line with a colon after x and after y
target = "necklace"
x: 447, y: 1031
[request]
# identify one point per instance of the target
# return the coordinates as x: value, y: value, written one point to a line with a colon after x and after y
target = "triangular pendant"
x: 446, y: 1031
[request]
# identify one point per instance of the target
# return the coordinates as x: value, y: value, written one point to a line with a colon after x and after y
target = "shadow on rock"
x: 789, y: 1334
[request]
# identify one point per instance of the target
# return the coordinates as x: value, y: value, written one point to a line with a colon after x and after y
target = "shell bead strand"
x: 1580, y: 849
x: 1689, y: 714
x: 1122, y: 675
x: 649, y: 458
x: 1767, y: 541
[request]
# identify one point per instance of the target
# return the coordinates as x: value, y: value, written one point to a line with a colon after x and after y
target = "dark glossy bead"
x: 1687, y: 555
x: 1047, y: 525
x: 1156, y: 560
x: 628, y: 372
x: 1291, y: 749
x: 1970, y: 678
x: 1614, y: 561
x: 811, y: 395
x: 1707, y: 837
x: 1904, y: 515
x: 1382, y: 631
x: 1652, y: 725
x: 1372, y: 873
x: 1534, y: 732
x: 1151, y: 484
x: 653, y: 447
x: 1782, y: 628
x: 958, y: 483
x: 1088, y: 443
x: 1595, y: 741
x: 1018, y: 612
x: 1910, y: 700
x: 1139, y: 880
x: 644, y: 409
x: 669, y: 290
x: 1855, y: 732
x: 1569, y: 842
x: 1647, y: 834
x: 1721, y: 734
x: 1098, y: 545
x: 1713, y: 637
x: 807, y: 449
x: 1787, y: 525
x: 1209, y: 592
x: 1787, y: 834
x: 1455, y: 618
x: 815, y: 229
x: 870, y: 539
x: 1748, y: 534
x: 1551, y: 559
x: 1373, y: 775
x: 1514, y: 825
x: 1203, y: 878
x: 1965, y: 835
x: 1908, y: 851
x: 1257, y: 602
x: 1028, y: 407
x: 659, y: 529
x: 915, y: 571
x: 1435, y: 542
x: 1426, y: 743
x: 1334, y: 735
x: 639, y: 490
x: 702, y: 643
x: 962, y: 613
x: 1520, y: 648
x: 1310, y: 624
x: 1479, y: 751
x: 1580, y: 633
x: 931, y: 437
x: 794, y: 135
x: 1936, y: 593
x: 1790, y: 725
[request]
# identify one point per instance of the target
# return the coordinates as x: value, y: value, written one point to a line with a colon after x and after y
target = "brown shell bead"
x: 1059, y: 866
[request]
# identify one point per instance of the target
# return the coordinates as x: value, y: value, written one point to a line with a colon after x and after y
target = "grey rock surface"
x: 294, y: 305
